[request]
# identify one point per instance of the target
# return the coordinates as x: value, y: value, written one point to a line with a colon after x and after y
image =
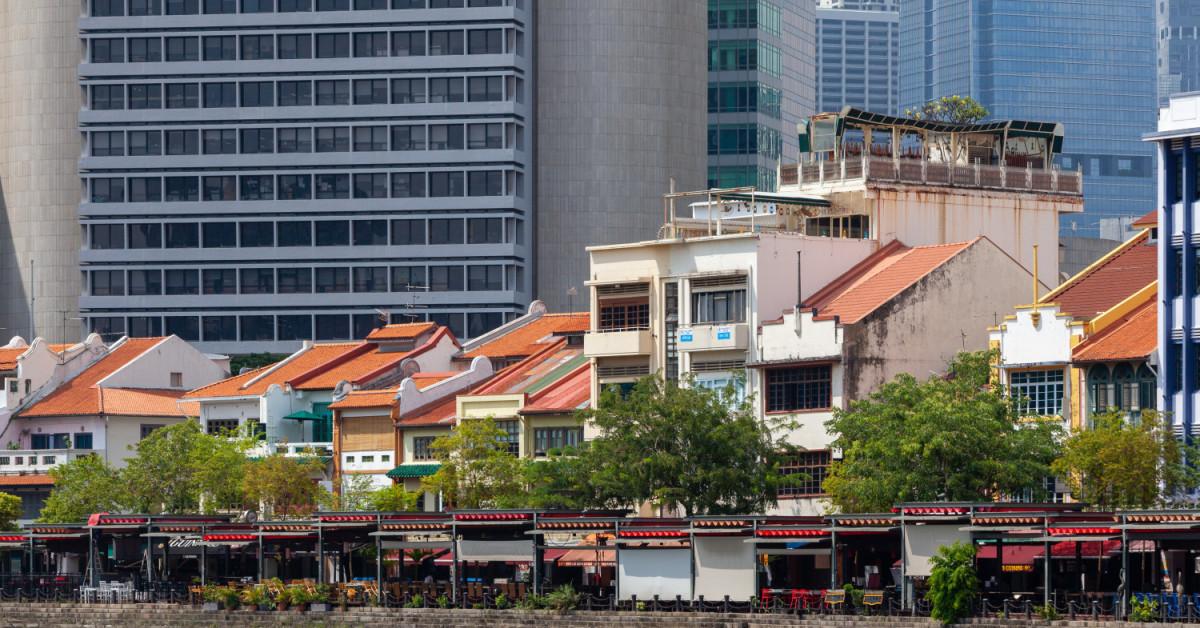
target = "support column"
x: 320, y: 554
x: 378, y: 559
x: 260, y: 555
x: 833, y: 560
x: 454, y: 567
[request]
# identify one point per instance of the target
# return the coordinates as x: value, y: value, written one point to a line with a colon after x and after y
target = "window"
x: 333, y: 185
x: 39, y: 441
x: 445, y: 42
x: 485, y: 231
x: 258, y: 6
x: 82, y: 440
x: 370, y: 232
x: 145, y: 49
x: 370, y: 44
x: 333, y: 233
x: 182, y: 189
x: 481, y: 136
x: 421, y: 447
x: 257, y: 234
x: 295, y: 93
x: 408, y: 137
x: 106, y: 97
x: 295, y: 187
x: 108, y: 283
x: 332, y: 327
x: 371, y: 279
x: 257, y: 187
x: 410, y: 44
x: 815, y: 465
x: 258, y: 281
x: 145, y: 143
x: 1100, y: 390
x: 108, y: 144
x: 800, y: 388
x: 333, y: 5
x: 108, y: 50
x: 370, y: 138
x: 408, y: 185
x: 186, y: 327
x: 108, y: 237
x: 332, y: 280
x: 446, y: 231
x: 183, y: 235
x: 294, y: 6
x: 220, y: 235
x: 220, y: 281
x: 183, y: 142
x: 219, y: 328
x: 145, y: 236
x: 220, y: 95
x: 145, y: 327
x: 370, y: 185
x: 370, y: 5
x: 485, y: 277
x: 220, y: 188
x: 445, y: 278
x: 408, y: 232
x: 719, y: 303
x: 622, y: 314
x: 220, y: 142
x: 295, y: 233
x: 183, y: 281
x: 295, y: 46
x: 295, y: 281
x: 217, y: 427
x: 145, y: 96
x: 445, y: 136
x: 220, y: 48
x: 258, y: 141
x: 258, y: 94
x: 408, y: 278
x: 294, y: 327
x: 512, y: 435
x: 485, y: 89
x: 108, y: 8
x: 183, y: 96
x: 442, y: 90
x: 371, y: 92
x: 1041, y: 392
x: 220, y: 6
x: 488, y: 41
x: 443, y: 184
x: 1126, y: 389
x: 108, y: 191
x: 333, y: 45
x: 183, y: 7
x: 547, y: 438
x: 485, y: 183
x: 145, y: 282
x: 334, y: 139
x: 183, y: 49
x: 406, y: 91
x: 479, y: 323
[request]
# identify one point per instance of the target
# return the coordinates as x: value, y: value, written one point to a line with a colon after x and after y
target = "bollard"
x: 1095, y: 609
x: 701, y: 607
x: 1028, y: 609
x: 678, y: 602
x: 633, y: 602
x: 726, y: 608
x: 1004, y: 607
x: 655, y: 607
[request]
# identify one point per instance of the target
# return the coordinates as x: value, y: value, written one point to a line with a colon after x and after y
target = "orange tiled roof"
x: 366, y: 399
x: 8, y: 357
x: 1133, y: 337
x: 1114, y: 278
x: 440, y: 412
x: 82, y: 395
x: 531, y: 373
x: 425, y: 380
x: 37, y: 479
x: 256, y: 382
x: 878, y: 278
x: 533, y: 336
x: 1149, y: 220
x: 142, y: 402
x: 401, y: 331
x: 350, y: 366
x: 565, y: 395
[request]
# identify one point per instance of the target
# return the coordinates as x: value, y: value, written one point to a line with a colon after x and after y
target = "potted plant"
x: 283, y: 598
x: 257, y: 598
x: 320, y: 598
x: 230, y: 598
x: 342, y: 602
x: 211, y: 598
x: 300, y: 598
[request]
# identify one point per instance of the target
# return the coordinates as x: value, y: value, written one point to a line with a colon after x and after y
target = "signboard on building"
x: 723, y: 332
x: 685, y: 334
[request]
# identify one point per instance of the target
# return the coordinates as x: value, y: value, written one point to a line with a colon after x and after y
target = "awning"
x: 1013, y: 554
x: 586, y: 558
x: 778, y: 199
x: 304, y: 415
x: 414, y: 470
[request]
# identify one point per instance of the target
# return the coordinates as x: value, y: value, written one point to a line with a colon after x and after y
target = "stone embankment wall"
x: 176, y: 616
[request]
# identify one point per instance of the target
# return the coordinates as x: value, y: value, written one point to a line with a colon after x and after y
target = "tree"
x: 82, y: 487
x: 477, y: 469
x: 181, y: 469
x: 953, y: 582
x: 284, y: 485
x: 352, y: 491
x: 950, y: 109
x: 1122, y: 464
x: 675, y: 443
x: 563, y: 480
x: 253, y: 361
x: 394, y: 499
x: 953, y: 438
x: 218, y: 464
x: 10, y: 511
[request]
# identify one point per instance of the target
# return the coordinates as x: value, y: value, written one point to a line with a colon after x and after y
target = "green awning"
x: 414, y: 470
x: 304, y: 415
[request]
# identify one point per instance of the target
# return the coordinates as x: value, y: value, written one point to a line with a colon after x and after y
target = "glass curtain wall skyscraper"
x: 1178, y: 47
x: 1089, y: 65
x: 760, y: 83
x: 858, y: 55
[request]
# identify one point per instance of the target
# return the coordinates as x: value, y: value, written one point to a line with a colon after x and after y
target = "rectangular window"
x: 445, y: 42
x: 408, y: 232
x: 186, y: 327
x: 257, y: 187
x: 219, y: 328
x: 622, y: 314
x: 332, y: 327
x: 333, y: 233
x: 218, y: 427
x: 108, y: 97
x: 108, y: 283
x: 371, y: 44
x: 370, y: 185
x: 294, y: 327
x: 220, y: 95
x: 370, y: 138
x: 815, y: 465
x: 335, y: 139
x: 485, y: 89
x: 183, y: 235
x: 800, y: 388
x: 108, y: 8
x: 145, y: 49
x: 485, y: 231
x: 485, y: 183
x: 39, y: 441
x: 371, y: 279
x: 255, y: 234
x: 547, y: 438
x: 220, y: 235
x: 333, y: 5
x: 442, y: 184
x: 182, y: 189
x: 444, y: 90
x: 108, y: 144
x: 183, y: 7
x: 512, y: 435
x: 220, y: 48
x: 145, y: 189
x: 183, y: 95
x: 333, y: 45
x: 295, y: 187
x: 220, y: 142
x: 719, y: 306
x: 295, y: 281
x: 107, y: 237
x: 371, y: 92
x: 295, y: 233
x: 145, y: 326
x: 258, y: 281
x: 408, y: 185
x: 256, y: 141
x: 410, y: 44
x: 479, y: 323
x: 108, y: 50
x: 220, y: 6
x: 294, y: 6
x: 485, y: 277
x: 220, y: 188
x: 145, y: 96
x: 145, y: 282
x: 1040, y: 393
x: 295, y: 46
x: 108, y: 190
x: 370, y: 232
x: 408, y: 279
x: 405, y: 91
x: 220, y: 281
x: 333, y: 186
x: 82, y: 440
x: 258, y: 94
x: 408, y: 137
x: 446, y: 231
x: 480, y: 136
x: 489, y: 41
x: 422, y: 448
x: 295, y: 93
x: 145, y: 236
x: 258, y: 6
x: 145, y: 143
x: 445, y: 278
x: 183, y: 142
x: 446, y: 137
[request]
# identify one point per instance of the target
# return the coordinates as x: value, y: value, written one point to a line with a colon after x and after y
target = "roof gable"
x: 1133, y: 337
x: 533, y: 336
x: 83, y: 394
x: 1110, y: 280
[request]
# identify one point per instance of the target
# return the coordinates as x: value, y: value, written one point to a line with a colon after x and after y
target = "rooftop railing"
x: 1026, y: 179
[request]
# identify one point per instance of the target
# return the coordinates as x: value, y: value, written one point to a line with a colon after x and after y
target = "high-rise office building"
x: 858, y: 55
x: 761, y: 82
x: 259, y: 172
x: 1089, y: 65
x: 1178, y: 24
x: 39, y: 180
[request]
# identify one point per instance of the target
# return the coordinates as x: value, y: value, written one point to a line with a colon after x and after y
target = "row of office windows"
x: 298, y: 46
x: 744, y: 139
x: 749, y: 54
x: 288, y: 233
x: 322, y: 280
x: 303, y: 93
x: 115, y: 8
x: 293, y: 187
x: 282, y: 327
x: 745, y: 14
x: 407, y: 137
x: 745, y: 96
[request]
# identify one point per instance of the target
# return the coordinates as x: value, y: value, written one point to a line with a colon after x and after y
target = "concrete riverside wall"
x: 172, y: 615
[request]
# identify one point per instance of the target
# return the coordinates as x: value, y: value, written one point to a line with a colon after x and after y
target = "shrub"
x: 442, y: 601
x: 417, y: 601
x: 230, y: 598
x: 854, y: 595
x: 563, y: 599
x: 502, y: 601
x: 1045, y: 611
x: 953, y: 582
x: 321, y: 594
x: 1143, y: 610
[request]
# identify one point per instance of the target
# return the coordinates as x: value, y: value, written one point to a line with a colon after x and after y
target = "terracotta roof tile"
x: 536, y: 372
x: 440, y: 412
x: 349, y: 367
x: 82, y: 395
x: 37, y: 479
x: 565, y: 395
x: 401, y: 331
x: 425, y: 380
x: 1133, y: 337
x: 531, y: 337
x: 141, y: 402
x: 366, y: 399
x: 879, y: 278
x: 256, y: 382
x: 8, y: 357
x: 1149, y: 220
x: 1114, y: 278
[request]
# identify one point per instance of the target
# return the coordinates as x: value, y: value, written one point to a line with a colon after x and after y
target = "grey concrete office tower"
x: 1178, y: 23
x: 858, y: 55
x: 260, y: 172
x: 39, y: 180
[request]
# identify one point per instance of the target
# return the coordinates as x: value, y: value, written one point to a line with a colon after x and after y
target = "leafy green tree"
x: 352, y: 491
x: 10, y: 511
x: 1121, y: 464
x: 283, y: 485
x: 953, y: 438
x: 394, y: 499
x: 218, y: 464
x: 253, y: 361
x: 950, y: 109
x: 562, y: 480
x: 675, y: 443
x: 82, y: 487
x: 181, y: 469
x: 477, y: 469
x: 953, y: 581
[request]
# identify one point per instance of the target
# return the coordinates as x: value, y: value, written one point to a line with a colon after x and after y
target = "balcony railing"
x: 617, y: 341
x: 926, y: 172
x: 32, y: 461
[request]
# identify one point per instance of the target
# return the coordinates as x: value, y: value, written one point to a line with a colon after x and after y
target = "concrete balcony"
x: 31, y: 461
x: 617, y: 342
x: 305, y: 449
x: 716, y: 337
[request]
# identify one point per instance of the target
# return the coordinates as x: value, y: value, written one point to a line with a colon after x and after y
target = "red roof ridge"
x: 1094, y: 266
x: 1149, y: 220
x: 424, y: 348
x: 505, y: 376
x: 850, y: 275
x: 362, y: 349
x: 1142, y: 321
